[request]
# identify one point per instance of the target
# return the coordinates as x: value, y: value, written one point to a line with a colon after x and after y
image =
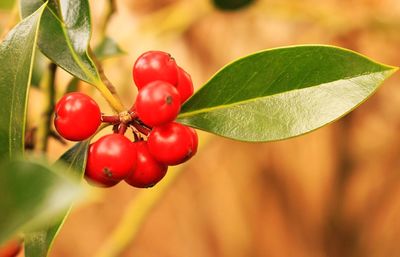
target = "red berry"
x: 77, y: 116
x: 185, y: 85
x: 148, y: 170
x: 172, y: 144
x: 155, y: 65
x: 11, y: 248
x: 158, y: 103
x: 195, y: 141
x: 110, y: 159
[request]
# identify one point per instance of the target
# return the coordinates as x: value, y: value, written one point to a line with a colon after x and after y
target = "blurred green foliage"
x: 6, y: 4
x: 232, y: 4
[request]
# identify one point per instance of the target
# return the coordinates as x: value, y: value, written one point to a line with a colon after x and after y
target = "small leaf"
x: 107, y: 48
x: 64, y: 36
x: 72, y: 85
x: 32, y: 195
x: 284, y: 92
x: 38, y: 244
x: 17, y: 53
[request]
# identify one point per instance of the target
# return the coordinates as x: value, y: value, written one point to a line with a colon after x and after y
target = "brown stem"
x: 135, y: 135
x: 102, y: 75
x: 47, y: 85
x: 112, y: 119
x: 122, y: 128
x: 57, y: 137
x: 145, y: 131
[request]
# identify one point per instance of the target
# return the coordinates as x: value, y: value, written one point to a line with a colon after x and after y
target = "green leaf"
x: 17, y: 53
x: 39, y: 67
x: 39, y: 243
x: 108, y: 48
x: 72, y: 85
x: 32, y: 195
x: 64, y: 36
x: 284, y: 92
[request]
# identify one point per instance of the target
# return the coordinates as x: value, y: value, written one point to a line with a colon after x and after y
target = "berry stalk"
x: 114, y: 102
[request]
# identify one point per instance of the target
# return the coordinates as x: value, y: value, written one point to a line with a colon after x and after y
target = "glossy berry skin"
x: 172, y: 144
x: 110, y: 159
x: 185, y: 85
x: 11, y: 248
x: 155, y: 65
x: 148, y: 170
x: 195, y: 144
x: 77, y: 116
x: 158, y: 103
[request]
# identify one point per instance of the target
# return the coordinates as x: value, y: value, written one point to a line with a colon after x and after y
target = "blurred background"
x: 333, y: 192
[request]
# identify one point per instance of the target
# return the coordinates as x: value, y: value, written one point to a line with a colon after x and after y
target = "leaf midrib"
x: 29, y: 76
x: 225, y: 106
x: 75, y: 56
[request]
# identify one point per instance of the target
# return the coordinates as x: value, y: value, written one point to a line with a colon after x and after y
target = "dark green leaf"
x: 16, y: 59
x: 32, y: 195
x: 39, y: 67
x: 231, y: 4
x: 64, y: 36
x: 284, y: 92
x: 38, y: 244
x: 72, y: 85
x: 107, y: 48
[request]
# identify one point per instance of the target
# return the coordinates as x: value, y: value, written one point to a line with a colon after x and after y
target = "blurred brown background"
x: 334, y: 192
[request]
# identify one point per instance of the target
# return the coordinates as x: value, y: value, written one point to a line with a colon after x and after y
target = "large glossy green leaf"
x: 16, y: 58
x: 284, y: 92
x: 64, y: 35
x: 38, y: 243
x: 32, y: 195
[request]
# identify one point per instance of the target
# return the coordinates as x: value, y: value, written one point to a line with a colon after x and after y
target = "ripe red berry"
x: 185, y: 85
x: 195, y: 139
x: 148, y: 170
x: 172, y: 143
x: 11, y: 248
x: 77, y: 116
x: 158, y: 103
x: 110, y: 159
x: 155, y: 65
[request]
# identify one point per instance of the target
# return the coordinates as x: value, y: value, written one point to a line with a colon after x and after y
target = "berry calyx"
x: 185, y: 85
x: 77, y: 116
x: 155, y: 65
x: 172, y: 144
x: 158, y: 103
x: 148, y: 170
x: 110, y: 159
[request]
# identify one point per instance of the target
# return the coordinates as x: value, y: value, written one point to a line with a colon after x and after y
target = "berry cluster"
x: 159, y: 142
